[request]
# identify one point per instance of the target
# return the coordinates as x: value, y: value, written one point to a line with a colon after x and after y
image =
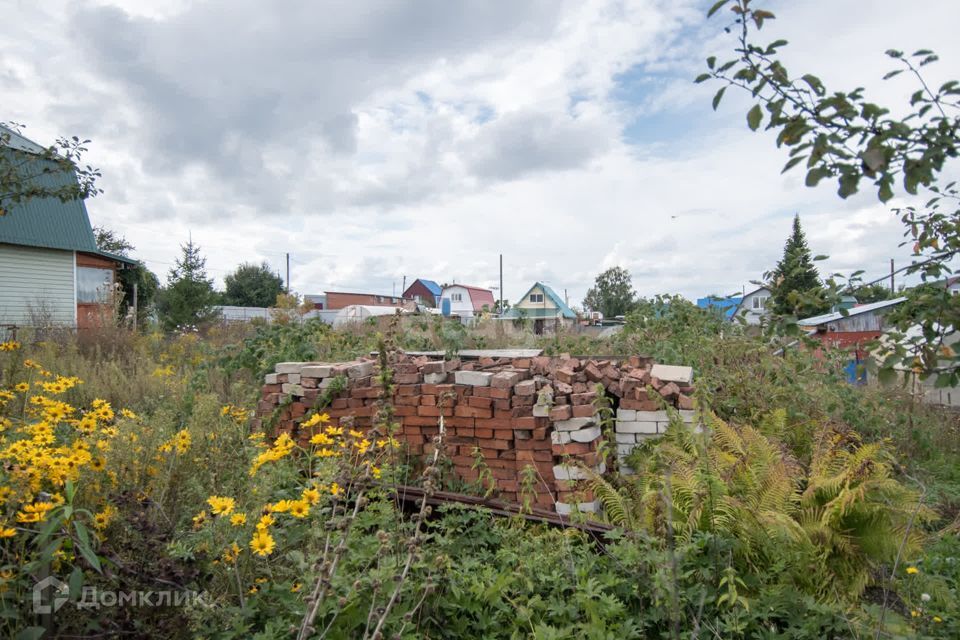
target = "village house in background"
x: 541, y: 305
x: 51, y: 271
x: 753, y: 307
x: 424, y: 292
x: 465, y: 301
x: 338, y: 300
x: 727, y: 306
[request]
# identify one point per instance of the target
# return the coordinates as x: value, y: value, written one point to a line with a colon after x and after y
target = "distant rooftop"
x: 853, y: 311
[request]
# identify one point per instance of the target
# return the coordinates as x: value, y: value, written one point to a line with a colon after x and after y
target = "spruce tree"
x: 188, y: 299
x: 795, y: 282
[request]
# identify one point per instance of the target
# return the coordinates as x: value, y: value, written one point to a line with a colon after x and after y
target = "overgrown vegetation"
x: 807, y: 508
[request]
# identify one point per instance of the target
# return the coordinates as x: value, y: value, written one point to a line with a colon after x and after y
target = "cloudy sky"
x: 377, y: 139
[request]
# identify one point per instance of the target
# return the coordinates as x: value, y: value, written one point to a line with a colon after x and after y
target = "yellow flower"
x: 296, y: 587
x: 282, y: 447
x: 9, y: 345
x: 311, y: 495
x: 912, y: 570
x: 220, y: 506
x: 262, y: 543
x: 315, y: 419
x: 102, y: 519
x: 355, y: 434
x: 914, y: 614
x: 126, y: 413
x: 265, y: 521
x: 231, y: 553
x: 299, y: 508
x: 334, y: 431
x: 21, y: 387
x: 375, y: 471
x: 36, y: 512
x: 281, y: 506
x: 199, y: 519
x: 238, y: 519
x: 7, y: 532
x: 321, y: 438
x: 937, y: 619
x: 335, y: 489
x: 98, y: 464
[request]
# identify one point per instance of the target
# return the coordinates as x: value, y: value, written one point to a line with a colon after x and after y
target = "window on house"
x: 456, y: 297
x: 93, y: 285
x: 536, y: 297
x: 760, y: 302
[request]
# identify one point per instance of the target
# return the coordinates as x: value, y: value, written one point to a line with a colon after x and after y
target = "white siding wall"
x: 462, y: 307
x: 526, y: 304
x: 36, y: 284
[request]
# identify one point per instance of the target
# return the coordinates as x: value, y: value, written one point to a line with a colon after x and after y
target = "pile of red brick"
x: 528, y: 417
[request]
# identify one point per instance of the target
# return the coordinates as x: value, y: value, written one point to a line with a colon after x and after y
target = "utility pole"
x: 135, y: 307
x: 566, y: 298
x: 501, y: 285
x: 404, y: 285
x: 892, y: 290
x: 288, y: 274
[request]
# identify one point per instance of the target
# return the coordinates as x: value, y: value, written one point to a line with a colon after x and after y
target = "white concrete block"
x: 292, y: 389
x: 289, y: 367
x: 627, y: 415
x: 271, y: 378
x: 573, y: 424
x: 434, y: 378
x: 626, y: 438
x: 560, y: 437
x: 317, y: 371
x: 671, y: 373
x: 473, y: 378
x: 565, y: 509
x: 585, y: 435
x: 360, y: 370
x: 625, y: 449
x: 687, y: 415
x: 571, y: 472
x: 652, y: 416
x: 541, y: 411
x: 637, y: 427
x: 293, y: 378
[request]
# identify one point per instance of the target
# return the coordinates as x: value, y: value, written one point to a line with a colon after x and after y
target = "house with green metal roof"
x: 51, y: 271
x: 541, y: 305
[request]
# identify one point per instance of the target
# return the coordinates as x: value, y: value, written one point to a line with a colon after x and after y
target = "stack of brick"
x: 526, y: 417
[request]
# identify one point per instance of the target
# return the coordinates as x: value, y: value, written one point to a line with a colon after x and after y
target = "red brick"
x: 410, y: 401
x: 500, y: 394
x: 583, y: 410
x: 561, y: 413
x: 525, y: 388
x: 482, y: 403
x: 684, y: 402
x: 483, y: 433
x: 404, y: 411
x: 583, y: 398
x: 428, y: 401
x: 408, y: 389
x: 472, y: 412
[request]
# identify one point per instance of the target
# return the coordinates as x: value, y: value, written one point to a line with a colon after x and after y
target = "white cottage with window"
x: 753, y: 306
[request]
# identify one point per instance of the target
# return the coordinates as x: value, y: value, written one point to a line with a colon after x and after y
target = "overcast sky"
x: 380, y: 139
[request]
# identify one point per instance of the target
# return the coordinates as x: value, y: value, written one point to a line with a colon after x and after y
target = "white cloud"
x: 374, y: 141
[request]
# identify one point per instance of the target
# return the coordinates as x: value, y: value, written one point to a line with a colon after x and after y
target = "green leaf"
x: 848, y: 185
x: 893, y: 53
x: 717, y: 98
x: 76, y: 582
x: 793, y: 162
x: 922, y: 52
x: 716, y: 7
x: 820, y: 257
x: 83, y: 545
x: 31, y: 633
x: 702, y: 77
x: 711, y: 62
x: 893, y: 73
x: 814, y: 83
x: 886, y: 376
x: 754, y: 116
x: 885, y: 192
x: 815, y: 175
